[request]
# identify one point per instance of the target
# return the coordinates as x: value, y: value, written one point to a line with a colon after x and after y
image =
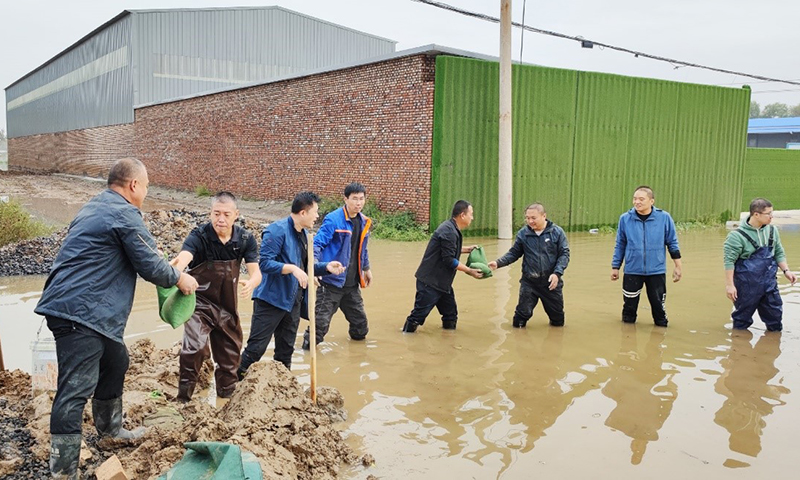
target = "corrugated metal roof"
x: 773, y: 125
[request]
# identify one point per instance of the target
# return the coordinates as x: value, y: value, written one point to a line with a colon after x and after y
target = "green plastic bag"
x: 174, y: 307
x: 215, y: 460
x: 477, y: 259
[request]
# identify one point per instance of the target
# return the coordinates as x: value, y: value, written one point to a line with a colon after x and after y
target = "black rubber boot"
x: 108, y: 422
x: 65, y: 453
x: 410, y: 327
x: 449, y: 324
x: 185, y: 391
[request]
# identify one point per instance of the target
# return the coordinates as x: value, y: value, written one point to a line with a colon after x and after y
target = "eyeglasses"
x: 766, y: 214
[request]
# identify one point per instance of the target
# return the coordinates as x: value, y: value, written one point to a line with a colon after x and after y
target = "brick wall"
x: 371, y: 124
x: 88, y: 152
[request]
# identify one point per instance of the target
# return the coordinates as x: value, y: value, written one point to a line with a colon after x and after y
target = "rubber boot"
x: 108, y: 422
x: 185, y: 391
x: 65, y: 453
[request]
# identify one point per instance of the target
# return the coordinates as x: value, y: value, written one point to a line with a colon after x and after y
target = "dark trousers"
x: 88, y: 364
x: 330, y: 299
x: 766, y: 300
x: 531, y: 291
x: 269, y: 320
x: 656, y: 294
x: 428, y: 297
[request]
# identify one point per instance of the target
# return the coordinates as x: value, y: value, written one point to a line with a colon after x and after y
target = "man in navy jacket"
x: 280, y: 299
x: 343, y: 237
x: 642, y: 235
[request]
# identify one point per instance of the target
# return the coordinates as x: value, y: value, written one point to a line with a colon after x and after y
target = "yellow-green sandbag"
x: 487, y: 272
x: 174, y: 307
x: 477, y: 255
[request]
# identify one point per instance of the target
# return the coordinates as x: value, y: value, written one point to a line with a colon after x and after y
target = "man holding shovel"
x: 214, y: 254
x: 544, y: 250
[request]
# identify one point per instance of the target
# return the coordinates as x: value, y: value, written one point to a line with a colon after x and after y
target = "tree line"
x: 774, y: 110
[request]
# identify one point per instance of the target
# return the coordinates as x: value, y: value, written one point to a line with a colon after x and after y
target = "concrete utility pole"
x: 504, y: 198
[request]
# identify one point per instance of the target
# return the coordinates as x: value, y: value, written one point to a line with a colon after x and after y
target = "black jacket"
x: 543, y: 254
x: 438, y: 266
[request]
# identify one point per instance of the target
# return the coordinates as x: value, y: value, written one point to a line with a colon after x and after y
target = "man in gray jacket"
x: 545, y: 251
x: 87, y: 299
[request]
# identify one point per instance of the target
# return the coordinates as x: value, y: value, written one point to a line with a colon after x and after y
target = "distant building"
x: 774, y: 132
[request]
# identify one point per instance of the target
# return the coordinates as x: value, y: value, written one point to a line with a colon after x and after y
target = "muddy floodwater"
x: 595, y: 399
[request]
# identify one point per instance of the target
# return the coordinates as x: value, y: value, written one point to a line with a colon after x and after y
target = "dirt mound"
x: 269, y: 415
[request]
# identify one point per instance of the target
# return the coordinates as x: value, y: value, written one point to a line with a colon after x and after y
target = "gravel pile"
x: 169, y: 227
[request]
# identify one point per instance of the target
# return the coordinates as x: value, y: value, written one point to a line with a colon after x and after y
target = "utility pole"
x: 504, y: 190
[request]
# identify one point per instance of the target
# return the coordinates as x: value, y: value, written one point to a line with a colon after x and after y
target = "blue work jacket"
x: 333, y: 242
x: 641, y: 245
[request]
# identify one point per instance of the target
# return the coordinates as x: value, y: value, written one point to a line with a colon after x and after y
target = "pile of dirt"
x: 269, y: 415
x: 169, y: 227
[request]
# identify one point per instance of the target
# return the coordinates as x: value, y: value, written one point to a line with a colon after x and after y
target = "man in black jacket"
x: 87, y: 299
x: 545, y: 251
x: 438, y: 269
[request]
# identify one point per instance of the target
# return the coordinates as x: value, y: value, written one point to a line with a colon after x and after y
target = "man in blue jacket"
x: 642, y: 235
x: 343, y: 237
x: 87, y: 299
x: 544, y: 250
x: 280, y: 299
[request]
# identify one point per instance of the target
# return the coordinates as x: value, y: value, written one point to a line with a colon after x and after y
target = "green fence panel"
x: 772, y: 173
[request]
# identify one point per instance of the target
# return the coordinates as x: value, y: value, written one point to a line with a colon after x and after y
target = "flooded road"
x: 595, y: 399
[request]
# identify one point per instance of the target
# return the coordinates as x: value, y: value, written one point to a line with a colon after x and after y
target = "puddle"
x: 489, y: 401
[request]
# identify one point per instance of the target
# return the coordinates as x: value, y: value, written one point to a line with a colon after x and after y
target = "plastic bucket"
x: 44, y: 371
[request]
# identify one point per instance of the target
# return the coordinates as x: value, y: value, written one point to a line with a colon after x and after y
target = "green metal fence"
x: 583, y: 141
x: 772, y: 173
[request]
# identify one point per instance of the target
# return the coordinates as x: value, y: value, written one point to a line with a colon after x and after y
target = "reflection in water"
x: 750, y: 398
x: 643, y: 390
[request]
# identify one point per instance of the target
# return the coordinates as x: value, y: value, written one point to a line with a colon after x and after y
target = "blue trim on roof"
x: 773, y: 125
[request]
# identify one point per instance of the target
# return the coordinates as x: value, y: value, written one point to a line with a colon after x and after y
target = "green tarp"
x: 214, y: 461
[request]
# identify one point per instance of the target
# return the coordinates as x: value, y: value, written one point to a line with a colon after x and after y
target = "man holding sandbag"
x: 545, y: 255
x: 437, y: 270
x: 87, y: 299
x: 214, y: 253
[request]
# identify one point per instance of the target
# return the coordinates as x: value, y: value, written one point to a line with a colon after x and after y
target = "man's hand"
x: 474, y: 272
x: 246, y: 287
x: 367, y: 278
x: 300, y: 275
x: 553, y: 281
x: 730, y: 290
x: 614, y: 274
x: 790, y: 276
x: 468, y: 249
x: 335, y: 267
x: 676, y: 274
x: 493, y: 265
x: 186, y: 284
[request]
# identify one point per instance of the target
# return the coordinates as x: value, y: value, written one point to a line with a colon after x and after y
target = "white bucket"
x: 44, y: 371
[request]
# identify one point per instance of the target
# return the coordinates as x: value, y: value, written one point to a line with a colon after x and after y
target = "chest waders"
x: 757, y: 287
x: 215, y: 324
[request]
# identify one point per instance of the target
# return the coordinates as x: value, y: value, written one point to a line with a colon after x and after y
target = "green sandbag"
x: 215, y: 461
x: 477, y: 259
x: 174, y: 307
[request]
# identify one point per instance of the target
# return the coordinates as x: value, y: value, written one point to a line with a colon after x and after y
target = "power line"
x: 776, y: 91
x: 584, y: 41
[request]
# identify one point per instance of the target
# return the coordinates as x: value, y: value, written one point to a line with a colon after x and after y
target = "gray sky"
x: 757, y: 37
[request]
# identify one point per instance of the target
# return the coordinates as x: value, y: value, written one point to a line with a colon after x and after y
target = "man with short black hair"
x: 87, y: 299
x: 437, y: 270
x: 642, y: 235
x: 544, y: 250
x: 753, y: 253
x: 214, y: 252
x: 343, y: 237
x: 280, y: 300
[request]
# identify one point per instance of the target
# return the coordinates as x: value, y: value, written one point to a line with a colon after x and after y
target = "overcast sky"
x: 758, y: 37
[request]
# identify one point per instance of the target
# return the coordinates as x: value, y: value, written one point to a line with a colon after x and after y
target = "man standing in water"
x: 753, y: 253
x: 214, y: 254
x: 642, y: 234
x: 438, y: 268
x: 545, y: 255
x: 343, y: 236
x: 87, y: 299
x: 280, y: 300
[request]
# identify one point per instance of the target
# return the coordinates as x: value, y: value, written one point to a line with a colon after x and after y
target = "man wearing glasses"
x: 753, y: 253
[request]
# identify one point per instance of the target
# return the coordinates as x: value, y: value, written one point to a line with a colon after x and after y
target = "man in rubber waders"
x: 753, y: 253
x: 544, y: 250
x: 87, y: 299
x: 644, y: 234
x: 343, y: 236
x: 280, y: 300
x: 214, y: 253
x: 438, y: 268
